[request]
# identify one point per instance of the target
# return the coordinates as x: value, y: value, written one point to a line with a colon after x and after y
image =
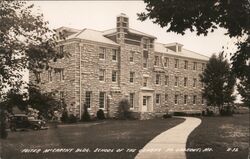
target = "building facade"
x: 105, y: 67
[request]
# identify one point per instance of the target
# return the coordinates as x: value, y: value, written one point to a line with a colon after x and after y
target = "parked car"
x: 22, y: 121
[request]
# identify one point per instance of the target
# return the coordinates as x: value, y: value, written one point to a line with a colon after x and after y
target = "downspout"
x: 80, y: 76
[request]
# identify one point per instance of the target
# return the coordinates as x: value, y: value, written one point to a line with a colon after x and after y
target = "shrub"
x: 226, y: 111
x: 100, y: 114
x: 165, y: 116
x: 123, y: 110
x: 65, y: 116
x: 72, y: 118
x: 179, y: 114
x: 209, y: 112
x: 85, y: 115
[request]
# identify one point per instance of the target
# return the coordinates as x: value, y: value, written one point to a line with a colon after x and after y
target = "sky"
x: 101, y: 15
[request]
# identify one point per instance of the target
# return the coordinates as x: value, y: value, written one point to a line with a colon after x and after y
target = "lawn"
x: 227, y: 137
x: 108, y: 136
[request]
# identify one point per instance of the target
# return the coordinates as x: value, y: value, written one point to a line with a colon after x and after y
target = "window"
x: 102, y: 53
x: 114, y: 55
x: 185, y: 99
x: 194, y: 83
x: 194, y: 99
x: 102, y: 100
x: 61, y: 94
x: 50, y: 75
x: 166, y: 61
x: 185, y: 64
x: 101, y: 75
x: 158, y: 79
x: 145, y: 59
x: 176, y: 82
x: 61, y: 49
x: 131, y: 56
x: 202, y: 66
x: 38, y: 77
x: 176, y: 99
x: 202, y: 100
x: 166, y: 80
x: 166, y: 97
x: 158, y: 98
x: 131, y: 78
x: 114, y: 76
x: 176, y: 63
x: 145, y: 82
x: 131, y: 99
x: 61, y: 72
x: 125, y: 19
x: 144, y: 101
x: 145, y: 43
x: 185, y: 81
x: 156, y: 62
x: 88, y: 99
x: 194, y: 65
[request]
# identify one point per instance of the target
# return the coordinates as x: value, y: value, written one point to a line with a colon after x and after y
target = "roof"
x: 67, y: 29
x: 159, y: 47
x: 92, y: 35
x: 133, y: 31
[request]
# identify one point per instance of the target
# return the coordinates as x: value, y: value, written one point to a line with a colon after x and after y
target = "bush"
x: 165, y: 116
x: 72, y: 118
x: 180, y: 114
x: 85, y: 115
x: 123, y: 110
x: 209, y: 112
x: 65, y: 116
x: 3, y: 131
x: 100, y: 114
x: 226, y: 111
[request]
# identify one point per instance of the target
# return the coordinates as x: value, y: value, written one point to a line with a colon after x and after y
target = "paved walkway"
x: 170, y: 144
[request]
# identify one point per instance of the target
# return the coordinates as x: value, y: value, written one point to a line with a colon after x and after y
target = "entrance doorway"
x: 145, y: 103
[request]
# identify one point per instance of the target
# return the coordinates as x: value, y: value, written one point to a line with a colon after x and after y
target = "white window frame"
x: 176, y: 99
x: 114, y: 54
x: 132, y: 104
x: 185, y: 99
x: 114, y: 74
x: 176, y: 81
x: 102, y: 50
x: 104, y: 100
x: 157, y: 79
x: 102, y: 71
x: 131, y: 76
x: 158, y: 95
x: 86, y: 99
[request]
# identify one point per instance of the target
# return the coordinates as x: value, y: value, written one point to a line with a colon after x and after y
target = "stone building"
x: 105, y: 67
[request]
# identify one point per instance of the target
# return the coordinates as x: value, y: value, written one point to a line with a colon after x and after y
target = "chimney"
x: 122, y: 23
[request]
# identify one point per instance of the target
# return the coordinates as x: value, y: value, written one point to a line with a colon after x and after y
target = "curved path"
x: 170, y: 144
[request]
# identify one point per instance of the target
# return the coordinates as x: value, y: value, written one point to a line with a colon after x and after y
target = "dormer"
x: 176, y: 47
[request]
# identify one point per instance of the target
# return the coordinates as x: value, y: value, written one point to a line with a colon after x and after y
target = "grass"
x: 107, y: 135
x: 221, y: 134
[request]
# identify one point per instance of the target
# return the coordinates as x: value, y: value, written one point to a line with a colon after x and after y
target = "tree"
x: 123, y: 109
x: 46, y: 103
x: 26, y: 43
x: 204, y: 17
x: 219, y: 82
x: 85, y: 115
